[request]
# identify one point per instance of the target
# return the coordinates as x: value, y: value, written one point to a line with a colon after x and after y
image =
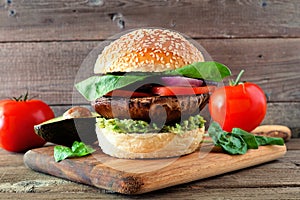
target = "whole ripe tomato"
x: 17, y: 120
x: 242, y: 105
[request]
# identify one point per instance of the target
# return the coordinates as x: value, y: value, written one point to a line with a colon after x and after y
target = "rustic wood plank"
x: 49, y: 69
x: 293, y: 144
x: 284, y: 114
x: 46, y: 70
x: 281, y: 176
x: 92, y: 19
x: 141, y: 176
x: 192, y: 194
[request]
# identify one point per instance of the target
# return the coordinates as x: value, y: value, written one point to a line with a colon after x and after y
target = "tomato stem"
x: 238, y: 78
x: 21, y: 97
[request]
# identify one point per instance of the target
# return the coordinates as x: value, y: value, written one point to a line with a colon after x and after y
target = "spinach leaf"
x: 269, y: 140
x: 249, y: 138
x: 209, y: 70
x: 230, y: 143
x: 239, y: 141
x: 97, y: 86
x: 78, y: 149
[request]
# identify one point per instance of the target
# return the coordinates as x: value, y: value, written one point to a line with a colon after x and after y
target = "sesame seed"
x: 157, y: 57
x: 125, y: 54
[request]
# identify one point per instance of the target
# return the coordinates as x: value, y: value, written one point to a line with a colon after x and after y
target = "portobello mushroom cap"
x: 151, y: 109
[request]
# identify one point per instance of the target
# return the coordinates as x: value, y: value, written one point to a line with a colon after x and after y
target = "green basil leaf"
x: 247, y: 137
x: 239, y: 141
x: 97, y: 86
x: 209, y: 70
x: 78, y: 149
x: 61, y: 153
x: 230, y: 143
x: 262, y: 140
x: 233, y: 144
x: 215, y: 132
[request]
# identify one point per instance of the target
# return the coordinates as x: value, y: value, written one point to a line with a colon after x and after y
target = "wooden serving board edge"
x: 211, y: 165
x: 185, y: 169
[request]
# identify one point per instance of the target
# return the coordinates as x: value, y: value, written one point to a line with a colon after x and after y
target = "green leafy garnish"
x: 97, y: 86
x: 239, y: 141
x: 209, y: 70
x: 78, y: 149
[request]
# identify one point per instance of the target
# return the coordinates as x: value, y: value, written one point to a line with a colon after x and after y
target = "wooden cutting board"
x: 141, y: 176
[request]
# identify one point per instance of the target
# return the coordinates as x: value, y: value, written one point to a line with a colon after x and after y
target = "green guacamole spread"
x: 139, y: 126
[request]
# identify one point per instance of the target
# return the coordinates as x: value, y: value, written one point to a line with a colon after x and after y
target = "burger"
x: 149, y: 88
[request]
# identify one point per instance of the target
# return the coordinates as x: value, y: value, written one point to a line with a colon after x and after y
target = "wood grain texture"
x: 294, y: 144
x: 274, y: 180
x: 44, y: 42
x: 141, y: 176
x: 49, y: 69
x: 92, y: 19
x: 191, y: 193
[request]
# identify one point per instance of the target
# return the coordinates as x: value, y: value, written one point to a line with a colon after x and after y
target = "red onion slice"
x: 180, y: 81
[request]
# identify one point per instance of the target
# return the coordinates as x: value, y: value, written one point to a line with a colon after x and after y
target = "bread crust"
x: 147, y: 50
x: 149, y: 145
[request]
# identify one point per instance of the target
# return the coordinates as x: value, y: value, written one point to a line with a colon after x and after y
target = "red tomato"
x: 17, y: 120
x: 242, y: 106
x: 174, y: 90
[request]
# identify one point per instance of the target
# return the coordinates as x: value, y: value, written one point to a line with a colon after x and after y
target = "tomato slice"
x: 163, y: 91
x: 126, y: 93
x: 173, y: 91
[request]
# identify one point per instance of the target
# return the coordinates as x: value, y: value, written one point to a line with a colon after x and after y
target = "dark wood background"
x: 43, y: 43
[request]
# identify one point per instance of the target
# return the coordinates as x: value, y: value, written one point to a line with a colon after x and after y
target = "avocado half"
x: 65, y: 131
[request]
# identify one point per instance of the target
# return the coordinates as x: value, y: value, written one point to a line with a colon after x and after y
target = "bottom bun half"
x: 149, y: 145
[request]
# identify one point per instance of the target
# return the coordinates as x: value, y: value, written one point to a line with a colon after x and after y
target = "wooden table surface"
x: 279, y: 179
x: 44, y: 44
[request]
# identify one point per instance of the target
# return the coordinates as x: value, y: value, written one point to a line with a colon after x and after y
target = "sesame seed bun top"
x: 147, y: 50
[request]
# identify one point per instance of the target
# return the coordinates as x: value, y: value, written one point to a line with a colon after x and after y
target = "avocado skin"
x: 66, y: 131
